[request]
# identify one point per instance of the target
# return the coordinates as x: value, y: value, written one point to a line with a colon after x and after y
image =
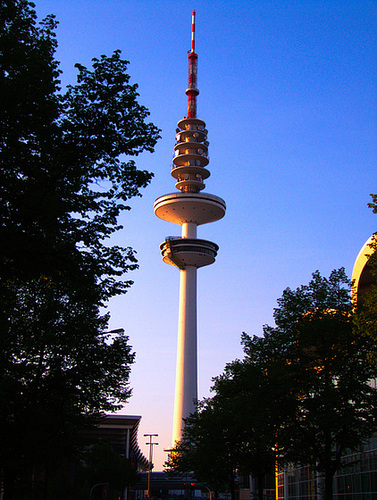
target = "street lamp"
x: 151, y: 444
x: 95, y: 486
x: 209, y: 491
x: 117, y: 330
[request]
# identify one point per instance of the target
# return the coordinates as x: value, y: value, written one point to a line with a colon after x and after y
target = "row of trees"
x: 65, y: 177
x: 301, y: 394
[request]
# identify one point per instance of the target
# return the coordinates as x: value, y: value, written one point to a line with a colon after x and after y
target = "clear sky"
x: 288, y: 91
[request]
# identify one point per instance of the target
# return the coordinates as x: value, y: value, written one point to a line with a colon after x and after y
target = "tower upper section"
x: 190, y: 163
x: 190, y: 156
x: 191, y: 148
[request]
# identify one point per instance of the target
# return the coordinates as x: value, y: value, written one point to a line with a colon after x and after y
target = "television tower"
x: 189, y: 208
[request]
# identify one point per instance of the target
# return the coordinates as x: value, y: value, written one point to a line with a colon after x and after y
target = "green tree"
x: 65, y: 176
x: 62, y: 181
x: 301, y: 395
x: 57, y: 374
x: 318, y: 360
x: 234, y: 432
x: 100, y: 464
x: 206, y: 448
x: 244, y: 393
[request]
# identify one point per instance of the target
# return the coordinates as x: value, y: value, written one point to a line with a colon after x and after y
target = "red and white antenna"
x: 192, y: 91
x: 193, y: 32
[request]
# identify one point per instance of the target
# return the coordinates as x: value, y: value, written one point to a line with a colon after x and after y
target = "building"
x: 121, y: 433
x: 189, y: 208
x: 356, y: 481
x: 362, y: 276
x: 103, y: 454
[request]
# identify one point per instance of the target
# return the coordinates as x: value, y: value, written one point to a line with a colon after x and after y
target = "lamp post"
x: 95, y: 486
x: 117, y: 330
x: 209, y: 491
x: 151, y: 444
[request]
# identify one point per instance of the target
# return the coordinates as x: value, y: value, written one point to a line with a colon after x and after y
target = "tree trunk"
x: 329, y: 478
x: 260, y: 486
x: 9, y: 485
x: 46, y: 483
x: 233, y: 487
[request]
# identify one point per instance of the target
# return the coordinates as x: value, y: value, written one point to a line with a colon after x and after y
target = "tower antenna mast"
x: 192, y: 90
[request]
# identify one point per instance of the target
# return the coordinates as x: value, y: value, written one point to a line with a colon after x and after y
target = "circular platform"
x: 188, y: 159
x: 182, y: 252
x: 192, y: 124
x: 192, y: 170
x: 199, y: 208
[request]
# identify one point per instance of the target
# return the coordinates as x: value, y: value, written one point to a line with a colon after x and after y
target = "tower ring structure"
x: 188, y: 208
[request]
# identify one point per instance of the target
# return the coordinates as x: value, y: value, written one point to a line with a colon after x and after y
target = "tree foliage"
x: 206, y: 448
x: 245, y: 394
x: 319, y: 367
x: 326, y: 364
x: 301, y: 395
x: 66, y: 175
x: 62, y: 181
x: 100, y: 464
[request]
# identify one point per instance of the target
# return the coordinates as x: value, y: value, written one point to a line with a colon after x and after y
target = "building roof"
x: 121, y: 432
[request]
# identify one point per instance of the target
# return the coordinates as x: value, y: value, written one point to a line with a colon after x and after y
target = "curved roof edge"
x: 118, y: 424
x: 361, y: 271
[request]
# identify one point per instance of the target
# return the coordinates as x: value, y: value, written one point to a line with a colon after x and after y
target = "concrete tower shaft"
x: 188, y: 208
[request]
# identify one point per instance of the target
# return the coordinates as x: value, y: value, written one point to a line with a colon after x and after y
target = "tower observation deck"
x: 189, y: 208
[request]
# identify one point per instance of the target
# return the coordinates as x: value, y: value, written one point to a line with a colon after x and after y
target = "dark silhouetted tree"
x: 315, y: 356
x: 66, y: 174
x: 301, y: 395
x: 206, y: 448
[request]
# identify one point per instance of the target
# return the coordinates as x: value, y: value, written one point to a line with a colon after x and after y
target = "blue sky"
x: 288, y: 91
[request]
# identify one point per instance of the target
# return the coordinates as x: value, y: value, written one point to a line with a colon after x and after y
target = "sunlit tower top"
x: 192, y: 90
x: 189, y: 208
